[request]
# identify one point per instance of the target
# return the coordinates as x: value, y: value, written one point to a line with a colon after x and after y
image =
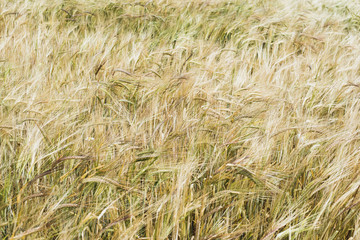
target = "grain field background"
x: 170, y: 119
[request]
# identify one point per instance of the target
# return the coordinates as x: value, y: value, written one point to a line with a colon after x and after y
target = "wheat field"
x: 170, y: 119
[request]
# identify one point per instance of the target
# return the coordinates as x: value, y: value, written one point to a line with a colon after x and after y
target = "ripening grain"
x: 172, y: 119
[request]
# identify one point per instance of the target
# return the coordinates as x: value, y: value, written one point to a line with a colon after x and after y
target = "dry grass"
x: 169, y: 119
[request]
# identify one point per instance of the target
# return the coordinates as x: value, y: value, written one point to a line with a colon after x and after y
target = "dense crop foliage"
x: 170, y: 119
